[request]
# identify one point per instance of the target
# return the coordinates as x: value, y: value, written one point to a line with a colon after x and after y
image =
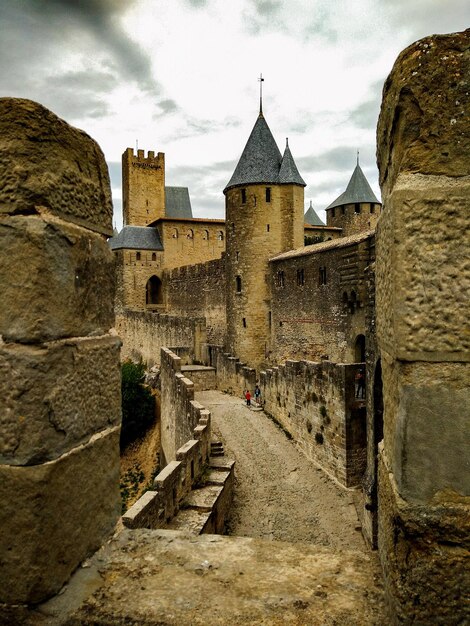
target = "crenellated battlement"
x: 143, y: 186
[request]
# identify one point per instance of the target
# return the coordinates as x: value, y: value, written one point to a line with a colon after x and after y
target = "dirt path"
x: 279, y: 494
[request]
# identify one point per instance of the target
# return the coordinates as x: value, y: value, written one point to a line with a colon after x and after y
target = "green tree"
x: 138, y: 404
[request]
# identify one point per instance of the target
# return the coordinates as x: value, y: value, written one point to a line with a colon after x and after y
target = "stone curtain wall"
x: 180, y: 413
x: 59, y: 361
x: 232, y: 376
x: 199, y: 290
x: 311, y: 320
x: 423, y: 282
x: 188, y: 242
x: 314, y: 402
x: 144, y: 334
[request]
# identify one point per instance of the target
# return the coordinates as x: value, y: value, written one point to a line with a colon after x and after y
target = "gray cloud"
x: 197, y: 4
x: 34, y: 34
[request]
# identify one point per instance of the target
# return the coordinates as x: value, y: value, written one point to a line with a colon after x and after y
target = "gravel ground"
x: 279, y: 494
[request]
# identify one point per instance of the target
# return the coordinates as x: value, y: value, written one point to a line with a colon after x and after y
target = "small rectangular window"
x: 342, y: 210
x: 300, y: 277
x: 243, y: 196
x: 280, y: 279
x: 268, y: 194
x: 372, y: 207
x: 239, y: 284
x: 244, y: 322
x: 357, y: 207
x: 322, y: 276
x: 332, y: 212
x: 267, y: 228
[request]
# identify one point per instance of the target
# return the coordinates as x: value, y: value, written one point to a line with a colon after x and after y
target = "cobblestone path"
x: 279, y: 494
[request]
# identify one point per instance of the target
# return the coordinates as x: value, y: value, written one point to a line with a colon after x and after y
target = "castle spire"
x: 261, y: 81
x: 357, y: 160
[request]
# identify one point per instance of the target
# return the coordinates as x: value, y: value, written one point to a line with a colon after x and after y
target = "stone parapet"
x: 59, y: 361
x: 56, y: 395
x: 55, y: 514
x: 46, y: 164
x: 424, y: 552
x: 55, y: 279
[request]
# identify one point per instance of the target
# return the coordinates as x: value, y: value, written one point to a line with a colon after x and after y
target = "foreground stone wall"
x: 199, y: 290
x: 143, y: 335
x: 59, y: 361
x: 423, y: 281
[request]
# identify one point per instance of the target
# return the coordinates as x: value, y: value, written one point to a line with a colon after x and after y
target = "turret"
x: 356, y: 209
x: 264, y: 202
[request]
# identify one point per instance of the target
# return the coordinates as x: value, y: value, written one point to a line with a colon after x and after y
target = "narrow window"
x: 190, y: 234
x: 205, y: 235
x: 357, y: 207
x: 233, y: 227
x: 300, y: 277
x: 372, y: 207
x: 267, y: 228
x: 244, y: 322
x: 332, y: 212
x: 243, y: 196
x: 137, y: 256
x: 270, y: 319
x: 280, y: 279
x: 342, y: 210
x: 237, y: 255
x: 174, y: 233
x: 239, y: 284
x: 154, y: 256
x: 322, y: 276
x: 268, y: 194
x: 220, y: 235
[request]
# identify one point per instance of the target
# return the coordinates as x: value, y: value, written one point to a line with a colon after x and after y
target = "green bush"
x: 138, y: 404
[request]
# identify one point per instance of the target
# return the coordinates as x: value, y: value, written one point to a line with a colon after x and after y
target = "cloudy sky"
x: 181, y: 77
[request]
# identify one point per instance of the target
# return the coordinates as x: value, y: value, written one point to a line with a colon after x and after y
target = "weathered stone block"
x: 427, y: 407
x: 425, y: 108
x: 424, y: 554
x: 423, y: 271
x: 46, y: 163
x: 55, y: 396
x: 53, y: 515
x: 57, y: 280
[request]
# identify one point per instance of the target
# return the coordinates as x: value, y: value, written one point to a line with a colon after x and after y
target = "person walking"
x: 248, y: 398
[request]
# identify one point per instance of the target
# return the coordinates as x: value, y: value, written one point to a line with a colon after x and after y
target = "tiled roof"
x: 261, y: 161
x: 312, y: 218
x: 177, y: 202
x: 358, y: 190
x: 136, y: 238
x: 288, y: 173
x: 325, y: 245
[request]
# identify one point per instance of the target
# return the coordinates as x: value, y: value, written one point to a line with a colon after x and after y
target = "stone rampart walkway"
x: 279, y: 494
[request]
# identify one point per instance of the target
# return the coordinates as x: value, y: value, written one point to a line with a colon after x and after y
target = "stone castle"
x: 245, y: 296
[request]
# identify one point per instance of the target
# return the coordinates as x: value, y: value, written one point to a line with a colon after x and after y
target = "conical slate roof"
x: 312, y: 218
x: 289, y: 172
x: 261, y: 161
x: 358, y: 190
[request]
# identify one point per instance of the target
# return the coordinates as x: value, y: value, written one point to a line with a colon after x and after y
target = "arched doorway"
x: 360, y: 349
x: 153, y: 291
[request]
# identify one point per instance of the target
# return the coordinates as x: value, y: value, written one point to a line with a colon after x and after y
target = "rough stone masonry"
x: 59, y: 360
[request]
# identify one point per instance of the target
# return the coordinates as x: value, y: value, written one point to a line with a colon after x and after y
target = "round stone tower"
x: 264, y: 202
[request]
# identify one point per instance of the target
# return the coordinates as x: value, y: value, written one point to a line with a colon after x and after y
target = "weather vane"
x: 261, y: 81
